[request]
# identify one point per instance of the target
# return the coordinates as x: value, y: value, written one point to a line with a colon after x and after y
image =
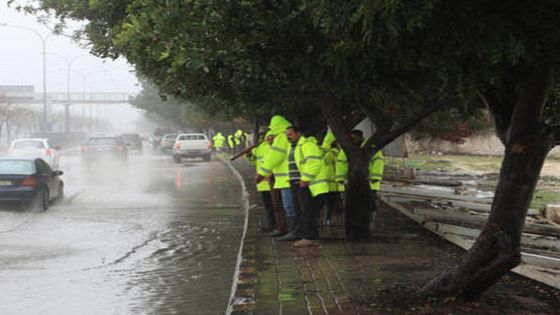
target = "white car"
x: 35, y: 148
x: 192, y: 145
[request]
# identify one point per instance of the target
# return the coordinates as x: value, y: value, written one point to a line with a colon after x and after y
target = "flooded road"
x: 150, y: 237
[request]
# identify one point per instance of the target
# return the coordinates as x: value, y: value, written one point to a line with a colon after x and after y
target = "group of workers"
x: 297, y: 177
x: 235, y: 142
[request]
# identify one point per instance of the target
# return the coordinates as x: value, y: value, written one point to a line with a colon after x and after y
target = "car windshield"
x: 17, y: 167
x: 25, y: 144
x: 102, y: 141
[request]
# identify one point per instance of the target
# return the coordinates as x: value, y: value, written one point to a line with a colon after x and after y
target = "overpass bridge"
x: 23, y: 97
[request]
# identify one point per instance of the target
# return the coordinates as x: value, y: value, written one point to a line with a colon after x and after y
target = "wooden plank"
x: 546, y: 276
x: 434, y: 195
x: 475, y: 206
x: 478, y: 220
x: 540, y: 268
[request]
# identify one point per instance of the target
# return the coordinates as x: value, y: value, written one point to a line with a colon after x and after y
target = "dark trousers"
x: 268, y: 221
x: 334, y: 205
x: 373, y: 208
x: 279, y: 213
x: 309, y: 208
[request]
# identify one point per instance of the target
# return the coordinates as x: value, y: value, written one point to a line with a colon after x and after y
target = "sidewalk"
x: 339, y: 277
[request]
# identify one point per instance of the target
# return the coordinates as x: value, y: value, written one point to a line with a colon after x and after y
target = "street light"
x: 69, y: 62
x: 44, y: 125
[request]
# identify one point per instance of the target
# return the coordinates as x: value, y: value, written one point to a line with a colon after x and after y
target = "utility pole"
x: 44, y: 125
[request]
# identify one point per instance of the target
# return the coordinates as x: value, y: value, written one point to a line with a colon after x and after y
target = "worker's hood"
x: 311, y: 139
x: 269, y: 133
x: 328, y: 140
x: 278, y: 124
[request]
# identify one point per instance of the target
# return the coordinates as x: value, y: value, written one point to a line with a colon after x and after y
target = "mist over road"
x: 149, y: 237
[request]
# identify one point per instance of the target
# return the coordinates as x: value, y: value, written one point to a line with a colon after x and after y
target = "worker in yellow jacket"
x: 376, y: 168
x: 276, y: 163
x: 256, y: 157
x: 219, y: 141
x: 334, y: 199
x: 231, y: 143
x: 308, y: 177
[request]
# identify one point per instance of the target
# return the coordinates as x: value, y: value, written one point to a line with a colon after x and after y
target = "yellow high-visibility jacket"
x: 276, y: 160
x: 219, y: 140
x: 238, y: 134
x: 311, y: 165
x: 330, y: 161
x: 376, y: 168
x: 257, y: 159
x: 230, y: 141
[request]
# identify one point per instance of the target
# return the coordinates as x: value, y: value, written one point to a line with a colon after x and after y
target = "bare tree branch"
x: 377, y: 144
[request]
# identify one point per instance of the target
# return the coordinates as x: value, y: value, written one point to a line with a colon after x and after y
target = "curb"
x: 242, y: 297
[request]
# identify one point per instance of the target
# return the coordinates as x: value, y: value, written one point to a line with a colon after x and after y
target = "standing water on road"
x: 147, y: 237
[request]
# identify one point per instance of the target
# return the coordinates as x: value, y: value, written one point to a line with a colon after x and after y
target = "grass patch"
x: 543, y: 197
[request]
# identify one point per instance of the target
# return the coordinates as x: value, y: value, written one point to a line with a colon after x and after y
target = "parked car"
x: 35, y: 148
x: 104, y: 148
x: 192, y: 145
x: 133, y: 141
x: 30, y: 182
x: 167, y: 142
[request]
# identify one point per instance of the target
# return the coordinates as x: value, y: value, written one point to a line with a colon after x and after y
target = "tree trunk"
x: 497, y: 249
x: 358, y: 199
x: 358, y: 196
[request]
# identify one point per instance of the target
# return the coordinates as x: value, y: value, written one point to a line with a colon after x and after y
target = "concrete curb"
x: 242, y: 297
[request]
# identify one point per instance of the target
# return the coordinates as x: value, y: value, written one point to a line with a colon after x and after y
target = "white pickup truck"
x: 192, y: 145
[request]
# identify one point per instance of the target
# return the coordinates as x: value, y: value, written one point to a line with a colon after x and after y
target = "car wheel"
x: 176, y: 159
x: 41, y: 201
x: 207, y: 157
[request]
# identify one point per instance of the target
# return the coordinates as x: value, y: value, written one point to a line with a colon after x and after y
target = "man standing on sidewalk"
x: 308, y: 177
x: 276, y: 161
x: 256, y: 157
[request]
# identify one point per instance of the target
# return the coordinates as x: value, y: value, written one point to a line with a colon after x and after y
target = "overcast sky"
x: 21, y: 61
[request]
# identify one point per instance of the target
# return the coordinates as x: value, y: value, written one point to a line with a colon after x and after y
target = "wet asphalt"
x: 147, y: 237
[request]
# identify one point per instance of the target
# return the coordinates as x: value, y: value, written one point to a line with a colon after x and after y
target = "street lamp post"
x: 44, y: 125
x: 69, y: 63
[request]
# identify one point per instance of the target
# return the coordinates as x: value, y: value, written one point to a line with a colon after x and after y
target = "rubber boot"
x: 293, y: 233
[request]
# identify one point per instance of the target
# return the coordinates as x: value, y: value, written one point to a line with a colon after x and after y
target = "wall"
x: 478, y: 144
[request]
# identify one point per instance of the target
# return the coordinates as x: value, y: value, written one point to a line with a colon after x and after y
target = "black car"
x: 132, y: 141
x: 104, y: 148
x: 30, y: 182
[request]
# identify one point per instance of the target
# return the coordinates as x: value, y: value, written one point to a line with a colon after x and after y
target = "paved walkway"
x: 339, y: 277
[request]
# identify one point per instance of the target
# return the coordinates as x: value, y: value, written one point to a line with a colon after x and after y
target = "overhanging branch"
x: 338, y: 125
x: 378, y: 144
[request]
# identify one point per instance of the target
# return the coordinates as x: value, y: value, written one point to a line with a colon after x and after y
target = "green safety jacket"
x: 276, y: 160
x: 310, y: 162
x: 219, y: 140
x: 330, y: 161
x: 257, y: 158
x: 376, y: 168
x: 238, y: 134
x: 230, y: 141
